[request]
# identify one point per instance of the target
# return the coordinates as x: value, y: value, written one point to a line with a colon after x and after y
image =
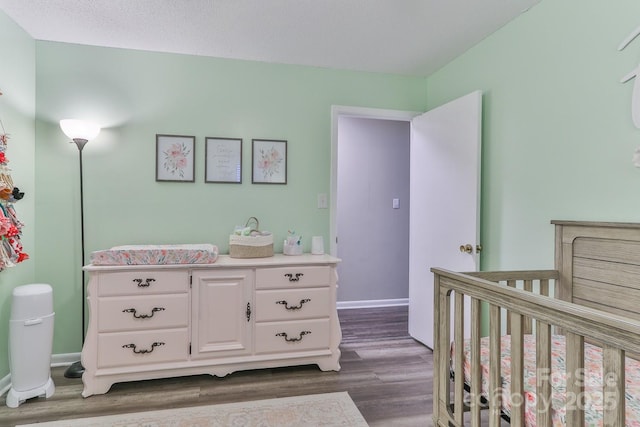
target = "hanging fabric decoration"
x: 11, y: 251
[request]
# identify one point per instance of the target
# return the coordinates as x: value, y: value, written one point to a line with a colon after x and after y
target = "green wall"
x: 133, y: 95
x: 17, y: 112
x: 558, y: 137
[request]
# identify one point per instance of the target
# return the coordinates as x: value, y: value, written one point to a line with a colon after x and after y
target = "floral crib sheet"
x: 156, y: 255
x: 592, y: 379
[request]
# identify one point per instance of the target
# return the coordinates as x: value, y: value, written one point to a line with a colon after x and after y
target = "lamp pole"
x: 76, y: 369
x: 80, y: 132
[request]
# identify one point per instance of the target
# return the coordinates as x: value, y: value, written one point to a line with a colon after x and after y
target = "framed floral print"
x: 268, y: 161
x: 223, y: 160
x: 175, y: 158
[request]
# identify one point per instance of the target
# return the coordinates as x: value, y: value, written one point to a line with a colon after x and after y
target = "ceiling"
x: 408, y: 37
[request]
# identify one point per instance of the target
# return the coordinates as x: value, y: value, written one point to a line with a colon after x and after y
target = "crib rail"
x: 490, y: 294
x: 539, y: 282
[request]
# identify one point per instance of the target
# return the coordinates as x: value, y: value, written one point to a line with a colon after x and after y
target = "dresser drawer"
x: 293, y: 277
x: 142, y: 348
x: 285, y: 337
x: 142, y: 282
x: 143, y: 312
x: 292, y: 304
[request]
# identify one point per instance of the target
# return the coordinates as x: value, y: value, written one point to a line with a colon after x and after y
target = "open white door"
x: 445, y: 202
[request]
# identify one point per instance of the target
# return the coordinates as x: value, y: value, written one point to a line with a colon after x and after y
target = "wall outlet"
x: 322, y: 201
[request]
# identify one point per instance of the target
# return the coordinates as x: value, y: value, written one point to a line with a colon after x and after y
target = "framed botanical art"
x: 268, y: 161
x: 175, y: 158
x: 223, y: 162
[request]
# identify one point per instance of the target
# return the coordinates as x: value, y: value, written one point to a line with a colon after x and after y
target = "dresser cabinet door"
x: 222, y: 313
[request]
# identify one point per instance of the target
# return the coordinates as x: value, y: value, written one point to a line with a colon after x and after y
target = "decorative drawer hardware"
x: 143, y: 282
x: 144, y: 311
x: 144, y: 350
x: 133, y: 311
x: 287, y: 304
x: 287, y: 339
x: 294, y: 277
x: 146, y: 284
x: 294, y: 307
x: 248, y: 312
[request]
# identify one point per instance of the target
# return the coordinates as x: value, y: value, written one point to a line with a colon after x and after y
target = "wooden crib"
x: 536, y: 359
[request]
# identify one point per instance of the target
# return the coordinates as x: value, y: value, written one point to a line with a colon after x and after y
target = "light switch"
x: 322, y: 201
x: 396, y: 203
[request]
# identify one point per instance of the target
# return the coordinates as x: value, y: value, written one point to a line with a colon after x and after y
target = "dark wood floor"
x: 387, y: 374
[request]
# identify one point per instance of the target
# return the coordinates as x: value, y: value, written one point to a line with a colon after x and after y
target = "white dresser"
x: 158, y: 321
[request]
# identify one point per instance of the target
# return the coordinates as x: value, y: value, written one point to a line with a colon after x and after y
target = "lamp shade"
x: 79, y: 129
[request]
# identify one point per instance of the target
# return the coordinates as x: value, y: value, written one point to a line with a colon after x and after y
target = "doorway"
x: 370, y: 205
x: 445, y: 197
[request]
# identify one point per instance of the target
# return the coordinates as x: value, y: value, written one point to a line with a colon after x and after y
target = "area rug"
x: 328, y: 409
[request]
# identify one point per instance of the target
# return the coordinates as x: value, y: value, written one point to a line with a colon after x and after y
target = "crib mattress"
x: 156, y: 255
x: 592, y: 380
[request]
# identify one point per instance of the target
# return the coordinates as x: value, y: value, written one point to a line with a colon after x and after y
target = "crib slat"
x: 458, y: 393
x: 511, y: 284
x: 575, y: 379
x: 543, y: 376
x: 544, y: 287
x: 528, y: 285
x: 517, y: 369
x: 476, y: 371
x: 528, y: 321
x: 495, y: 380
x: 614, y: 386
x: 441, y: 366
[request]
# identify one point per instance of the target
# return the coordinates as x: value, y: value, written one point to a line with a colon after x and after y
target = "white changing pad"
x: 156, y: 254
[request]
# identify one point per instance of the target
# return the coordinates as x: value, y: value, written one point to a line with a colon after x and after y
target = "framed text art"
x: 175, y: 158
x: 268, y: 161
x: 223, y: 162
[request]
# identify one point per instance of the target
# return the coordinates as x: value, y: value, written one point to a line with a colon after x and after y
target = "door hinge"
x: 190, y: 281
x: 189, y: 348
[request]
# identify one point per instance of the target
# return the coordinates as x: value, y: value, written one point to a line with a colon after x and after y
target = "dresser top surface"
x: 228, y: 262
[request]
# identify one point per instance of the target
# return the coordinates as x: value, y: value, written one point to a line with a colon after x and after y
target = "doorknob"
x: 466, y: 248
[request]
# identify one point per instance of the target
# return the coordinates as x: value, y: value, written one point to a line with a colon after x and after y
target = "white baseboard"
x: 64, y: 359
x: 372, y: 303
x: 5, y: 384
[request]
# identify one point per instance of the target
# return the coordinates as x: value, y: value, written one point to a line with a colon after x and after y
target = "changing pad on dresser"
x: 156, y: 254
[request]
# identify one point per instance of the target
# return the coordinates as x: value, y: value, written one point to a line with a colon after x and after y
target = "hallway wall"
x: 373, y: 238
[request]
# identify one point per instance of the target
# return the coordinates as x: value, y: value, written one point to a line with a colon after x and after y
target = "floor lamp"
x: 80, y: 132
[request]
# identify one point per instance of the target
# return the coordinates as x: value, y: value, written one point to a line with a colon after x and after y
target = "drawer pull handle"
x: 248, y: 312
x: 133, y: 311
x: 293, y: 307
x: 287, y: 339
x: 146, y: 284
x: 144, y: 350
x: 294, y: 277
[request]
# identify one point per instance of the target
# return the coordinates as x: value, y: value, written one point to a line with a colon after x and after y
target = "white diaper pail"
x: 30, y: 343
